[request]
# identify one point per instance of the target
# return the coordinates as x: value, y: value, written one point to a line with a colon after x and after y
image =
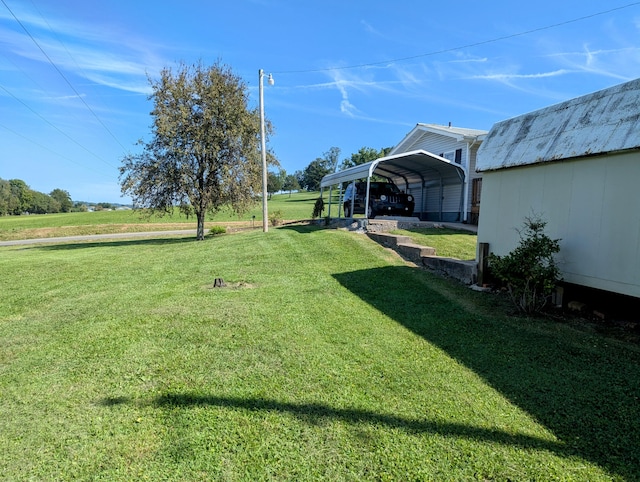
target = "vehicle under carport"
x: 413, y: 172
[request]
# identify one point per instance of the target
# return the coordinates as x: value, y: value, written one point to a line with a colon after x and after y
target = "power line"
x: 63, y: 76
x: 47, y: 148
x: 55, y: 127
x: 453, y: 49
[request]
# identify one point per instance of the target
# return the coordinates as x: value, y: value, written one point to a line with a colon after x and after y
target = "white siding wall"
x: 592, y: 204
x: 450, y: 204
x: 437, y: 144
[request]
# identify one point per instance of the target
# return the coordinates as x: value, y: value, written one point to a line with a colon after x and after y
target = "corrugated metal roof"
x: 598, y: 123
x: 412, y: 167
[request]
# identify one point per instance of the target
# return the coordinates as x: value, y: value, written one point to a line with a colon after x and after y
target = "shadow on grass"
x: 585, y: 389
x: 315, y: 413
x: 115, y: 243
x: 302, y: 228
x: 297, y: 200
x: 442, y: 231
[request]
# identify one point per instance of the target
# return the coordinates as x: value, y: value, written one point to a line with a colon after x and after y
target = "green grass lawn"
x: 296, y: 206
x: 449, y: 243
x: 324, y: 358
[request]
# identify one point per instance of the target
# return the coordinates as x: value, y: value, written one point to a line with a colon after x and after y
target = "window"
x: 455, y: 156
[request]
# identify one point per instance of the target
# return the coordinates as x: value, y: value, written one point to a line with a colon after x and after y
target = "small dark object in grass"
x: 219, y: 283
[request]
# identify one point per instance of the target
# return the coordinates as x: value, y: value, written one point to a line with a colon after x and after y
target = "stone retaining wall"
x: 464, y: 271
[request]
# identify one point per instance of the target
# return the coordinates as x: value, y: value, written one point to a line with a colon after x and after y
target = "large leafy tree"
x: 275, y: 181
x: 204, y: 153
x: 290, y: 183
x: 312, y: 175
x: 6, y: 198
x: 63, y: 198
x: 22, y: 196
x: 365, y: 154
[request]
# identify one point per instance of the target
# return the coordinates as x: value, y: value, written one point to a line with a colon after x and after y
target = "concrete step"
x: 464, y: 271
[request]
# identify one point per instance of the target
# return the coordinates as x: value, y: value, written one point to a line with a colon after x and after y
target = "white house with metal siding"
x: 448, y: 201
x: 433, y: 163
x: 577, y: 165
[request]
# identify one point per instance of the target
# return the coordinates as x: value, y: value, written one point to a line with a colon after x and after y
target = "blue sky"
x: 349, y: 74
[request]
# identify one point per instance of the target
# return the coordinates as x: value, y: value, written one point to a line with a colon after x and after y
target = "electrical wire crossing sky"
x: 74, y: 76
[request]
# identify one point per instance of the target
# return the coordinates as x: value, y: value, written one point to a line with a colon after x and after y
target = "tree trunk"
x: 200, y: 231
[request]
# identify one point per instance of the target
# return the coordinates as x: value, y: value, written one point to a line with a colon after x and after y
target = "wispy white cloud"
x: 370, y: 29
x: 478, y: 60
x: 620, y: 63
x: 506, y: 77
x: 96, y: 54
x: 343, y: 85
x: 67, y: 97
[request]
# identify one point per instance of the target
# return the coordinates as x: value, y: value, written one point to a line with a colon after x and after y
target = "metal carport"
x: 409, y: 171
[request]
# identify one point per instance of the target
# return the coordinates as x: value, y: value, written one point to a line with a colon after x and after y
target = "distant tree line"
x: 311, y: 176
x: 16, y: 197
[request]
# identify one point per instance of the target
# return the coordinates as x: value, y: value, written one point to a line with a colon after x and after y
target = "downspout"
x: 463, y: 213
x: 465, y: 196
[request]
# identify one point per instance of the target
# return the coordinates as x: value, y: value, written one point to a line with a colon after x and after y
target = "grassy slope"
x: 119, y: 361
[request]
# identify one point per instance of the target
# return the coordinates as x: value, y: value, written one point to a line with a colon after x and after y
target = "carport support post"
x: 423, y: 201
x: 366, y: 204
x: 440, y: 201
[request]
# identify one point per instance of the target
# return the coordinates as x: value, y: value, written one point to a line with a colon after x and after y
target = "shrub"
x: 529, y: 271
x: 318, y: 208
x: 215, y: 230
x: 275, y: 217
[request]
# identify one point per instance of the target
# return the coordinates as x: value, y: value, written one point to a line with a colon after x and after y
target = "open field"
x: 293, y: 207
x: 324, y: 357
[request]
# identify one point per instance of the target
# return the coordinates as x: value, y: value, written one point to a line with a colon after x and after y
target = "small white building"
x: 433, y: 163
x: 577, y: 166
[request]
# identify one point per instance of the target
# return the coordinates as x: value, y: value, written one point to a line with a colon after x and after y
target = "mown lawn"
x: 324, y: 358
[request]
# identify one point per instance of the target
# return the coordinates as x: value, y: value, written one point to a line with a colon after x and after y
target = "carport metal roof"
x: 414, y: 167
